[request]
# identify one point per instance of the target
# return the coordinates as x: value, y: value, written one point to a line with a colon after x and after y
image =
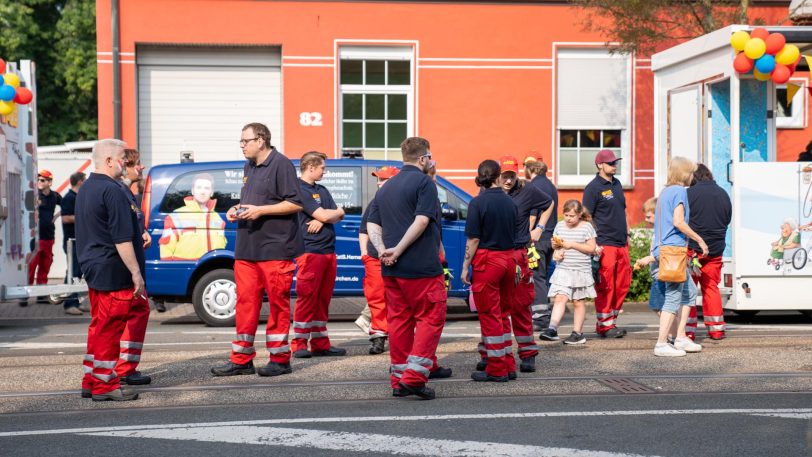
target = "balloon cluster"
x: 10, y: 91
x: 767, y: 54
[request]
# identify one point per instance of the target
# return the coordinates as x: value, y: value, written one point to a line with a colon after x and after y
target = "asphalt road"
x: 750, y: 394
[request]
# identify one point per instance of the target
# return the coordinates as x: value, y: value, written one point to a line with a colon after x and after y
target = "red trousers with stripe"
x: 374, y: 292
x: 415, y: 312
x: 712, y: 312
x: 116, y: 317
x: 521, y: 318
x: 615, y: 279
x: 275, y: 277
x: 41, y: 261
x: 315, y: 280
x: 492, y: 284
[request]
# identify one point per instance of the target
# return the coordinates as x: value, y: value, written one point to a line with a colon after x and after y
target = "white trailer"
x: 707, y: 112
x: 18, y: 195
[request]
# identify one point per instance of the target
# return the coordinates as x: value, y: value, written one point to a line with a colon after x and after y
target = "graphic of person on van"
x: 789, y: 239
x: 195, y: 228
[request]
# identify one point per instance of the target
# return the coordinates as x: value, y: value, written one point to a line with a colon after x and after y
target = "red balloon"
x: 792, y: 67
x: 23, y: 96
x: 760, y: 32
x: 781, y: 74
x: 775, y: 42
x: 2, y: 66
x: 742, y: 64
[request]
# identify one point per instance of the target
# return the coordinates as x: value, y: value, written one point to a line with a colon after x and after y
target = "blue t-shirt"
x: 409, y: 194
x: 669, y: 199
x: 492, y: 217
x: 316, y: 196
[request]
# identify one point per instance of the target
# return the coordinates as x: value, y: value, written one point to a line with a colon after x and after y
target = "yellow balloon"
x: 6, y: 108
x: 12, y: 80
x: 755, y: 48
x: 786, y: 56
x: 761, y: 76
x: 739, y: 39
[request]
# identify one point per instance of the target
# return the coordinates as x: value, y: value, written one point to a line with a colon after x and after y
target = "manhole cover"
x: 626, y: 386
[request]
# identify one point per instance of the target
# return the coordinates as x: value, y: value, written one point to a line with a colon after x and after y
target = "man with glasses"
x: 604, y: 199
x: 404, y: 226
x: 268, y: 239
x: 47, y: 201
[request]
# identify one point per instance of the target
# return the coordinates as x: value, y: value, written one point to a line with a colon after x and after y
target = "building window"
x: 376, y: 99
x: 593, y: 108
x: 790, y: 115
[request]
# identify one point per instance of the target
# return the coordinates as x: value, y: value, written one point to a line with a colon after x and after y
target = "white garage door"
x: 198, y: 99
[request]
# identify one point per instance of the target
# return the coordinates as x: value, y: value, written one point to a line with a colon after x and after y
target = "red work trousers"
x: 111, y: 313
x: 375, y: 296
x: 415, y: 312
x: 41, y: 262
x: 521, y: 317
x: 275, y: 277
x: 712, y: 312
x: 315, y: 280
x: 492, y: 284
x: 615, y: 279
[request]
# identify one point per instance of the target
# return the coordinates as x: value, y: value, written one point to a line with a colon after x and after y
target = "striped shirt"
x: 574, y: 259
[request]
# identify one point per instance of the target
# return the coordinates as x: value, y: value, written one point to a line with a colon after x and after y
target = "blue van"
x: 192, y: 257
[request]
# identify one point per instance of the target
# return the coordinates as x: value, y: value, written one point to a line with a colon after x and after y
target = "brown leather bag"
x: 673, y: 260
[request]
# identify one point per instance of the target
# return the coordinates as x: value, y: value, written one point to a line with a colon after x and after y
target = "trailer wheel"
x: 215, y: 298
x: 799, y: 259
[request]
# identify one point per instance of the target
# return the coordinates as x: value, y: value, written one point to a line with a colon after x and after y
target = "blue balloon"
x: 765, y: 64
x: 2, y: 80
x: 7, y: 93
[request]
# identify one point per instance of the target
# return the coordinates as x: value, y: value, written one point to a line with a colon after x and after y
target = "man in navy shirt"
x: 605, y: 201
x: 316, y: 274
x: 268, y: 239
x: 68, y: 210
x: 535, y: 170
x: 47, y: 201
x: 111, y: 255
x: 404, y: 227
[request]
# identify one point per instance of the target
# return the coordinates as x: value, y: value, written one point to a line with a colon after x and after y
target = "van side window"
x: 449, y: 200
x: 346, y: 186
x: 218, y: 188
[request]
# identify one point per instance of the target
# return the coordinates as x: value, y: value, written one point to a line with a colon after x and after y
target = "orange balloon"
x: 781, y: 74
x: 775, y: 42
x: 760, y: 32
x: 742, y: 64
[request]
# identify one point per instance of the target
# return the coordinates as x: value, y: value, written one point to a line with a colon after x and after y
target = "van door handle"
x: 351, y: 226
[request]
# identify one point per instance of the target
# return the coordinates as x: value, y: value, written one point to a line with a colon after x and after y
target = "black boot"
x: 424, y: 392
x: 378, y: 346
x: 135, y: 379
x: 232, y: 369
x: 481, y: 376
x: 274, y: 369
x: 528, y: 365
x: 332, y: 352
x: 440, y: 373
x: 482, y: 364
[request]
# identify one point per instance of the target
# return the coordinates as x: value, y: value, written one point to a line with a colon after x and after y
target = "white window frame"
x: 402, y: 53
x: 798, y: 106
x: 581, y: 180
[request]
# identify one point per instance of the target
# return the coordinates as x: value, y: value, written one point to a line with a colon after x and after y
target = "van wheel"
x: 215, y: 298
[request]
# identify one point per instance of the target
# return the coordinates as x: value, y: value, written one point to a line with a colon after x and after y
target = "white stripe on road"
x: 355, y: 442
x: 325, y: 420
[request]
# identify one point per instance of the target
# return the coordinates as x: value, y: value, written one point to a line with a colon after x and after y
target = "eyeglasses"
x: 613, y: 164
x: 43, y: 180
x: 246, y: 141
x: 426, y: 155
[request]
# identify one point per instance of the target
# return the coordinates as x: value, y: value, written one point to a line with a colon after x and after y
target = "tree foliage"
x: 60, y: 37
x: 645, y: 26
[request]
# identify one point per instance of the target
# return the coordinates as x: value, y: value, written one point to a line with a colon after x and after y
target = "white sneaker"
x: 363, y: 323
x: 687, y: 345
x: 666, y: 350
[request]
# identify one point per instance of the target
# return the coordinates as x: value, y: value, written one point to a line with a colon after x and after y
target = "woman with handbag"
x: 670, y: 248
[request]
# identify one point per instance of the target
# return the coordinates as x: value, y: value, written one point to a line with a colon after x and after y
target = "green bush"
x: 639, y: 247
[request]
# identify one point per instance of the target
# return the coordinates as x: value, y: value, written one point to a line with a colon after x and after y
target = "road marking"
x: 355, y: 442
x: 481, y: 417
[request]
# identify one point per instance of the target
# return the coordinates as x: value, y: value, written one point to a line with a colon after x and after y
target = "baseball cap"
x: 509, y: 163
x: 531, y: 158
x: 385, y: 172
x: 605, y: 156
x: 46, y: 174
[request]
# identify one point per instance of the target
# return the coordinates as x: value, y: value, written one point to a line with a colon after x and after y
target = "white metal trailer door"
x: 685, y: 123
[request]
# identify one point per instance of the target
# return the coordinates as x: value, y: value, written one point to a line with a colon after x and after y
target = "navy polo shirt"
x: 408, y: 194
x: 492, y: 217
x: 269, y: 237
x: 529, y: 200
x: 371, y: 251
x: 46, y: 209
x: 711, y: 212
x: 606, y: 203
x: 545, y: 185
x: 316, y: 196
x: 105, y: 216
x: 68, y: 207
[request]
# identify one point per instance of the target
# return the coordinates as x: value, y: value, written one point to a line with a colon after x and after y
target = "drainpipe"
x: 116, y: 70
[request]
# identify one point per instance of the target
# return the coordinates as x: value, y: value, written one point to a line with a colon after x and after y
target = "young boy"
x: 656, y: 297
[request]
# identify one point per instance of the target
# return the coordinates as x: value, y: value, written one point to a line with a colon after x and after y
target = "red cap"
x: 46, y: 174
x: 605, y: 156
x: 509, y: 163
x: 385, y: 172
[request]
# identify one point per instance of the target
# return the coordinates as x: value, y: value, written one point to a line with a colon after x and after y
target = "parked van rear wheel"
x: 215, y: 298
